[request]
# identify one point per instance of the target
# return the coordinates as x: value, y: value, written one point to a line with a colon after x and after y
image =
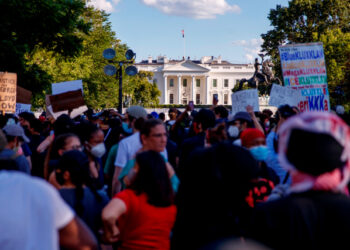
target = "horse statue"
x: 264, y: 76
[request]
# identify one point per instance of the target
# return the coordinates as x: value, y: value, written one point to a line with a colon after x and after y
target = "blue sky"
x: 227, y: 28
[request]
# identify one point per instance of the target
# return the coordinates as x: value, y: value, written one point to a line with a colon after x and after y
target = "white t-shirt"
x: 31, y: 213
x: 128, y: 148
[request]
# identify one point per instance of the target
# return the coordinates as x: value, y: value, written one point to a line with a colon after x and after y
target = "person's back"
x: 142, y: 216
x: 21, y: 161
x: 314, y: 148
x: 144, y: 224
x: 92, y: 206
x: 33, y: 215
x: 309, y: 220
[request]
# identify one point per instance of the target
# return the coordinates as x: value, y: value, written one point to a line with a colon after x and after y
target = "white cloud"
x: 103, y: 4
x: 197, y: 9
x: 251, y: 47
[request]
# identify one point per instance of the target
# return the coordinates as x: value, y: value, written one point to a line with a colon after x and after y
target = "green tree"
x: 142, y: 91
x: 100, y: 91
x: 54, y: 25
x: 312, y: 21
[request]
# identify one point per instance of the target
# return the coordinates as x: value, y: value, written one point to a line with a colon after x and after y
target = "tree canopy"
x: 68, y: 47
x: 305, y: 21
x: 26, y: 25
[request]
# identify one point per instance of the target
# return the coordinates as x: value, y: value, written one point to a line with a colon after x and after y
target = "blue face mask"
x: 259, y: 152
x: 126, y: 128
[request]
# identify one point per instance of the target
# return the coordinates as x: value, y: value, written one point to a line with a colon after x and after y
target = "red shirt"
x: 143, y: 225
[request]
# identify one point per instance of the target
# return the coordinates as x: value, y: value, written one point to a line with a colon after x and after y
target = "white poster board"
x: 62, y: 87
x: 280, y: 95
x: 304, y: 69
x: 241, y: 99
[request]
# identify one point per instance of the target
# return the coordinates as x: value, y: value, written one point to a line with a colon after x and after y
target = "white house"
x: 197, y: 80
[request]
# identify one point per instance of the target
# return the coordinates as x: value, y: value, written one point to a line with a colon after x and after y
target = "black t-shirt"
x: 309, y: 220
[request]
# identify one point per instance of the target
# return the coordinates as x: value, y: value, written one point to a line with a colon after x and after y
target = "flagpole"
x: 183, y: 36
x: 184, y: 48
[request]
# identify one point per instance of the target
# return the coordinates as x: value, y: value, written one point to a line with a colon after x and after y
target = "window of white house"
x: 215, y: 83
x: 198, y: 82
x: 184, y: 101
x: 226, y: 83
x: 184, y: 83
x: 171, y: 83
x: 171, y: 98
x: 225, y: 98
x: 198, y: 99
x: 154, y: 81
x: 237, y: 81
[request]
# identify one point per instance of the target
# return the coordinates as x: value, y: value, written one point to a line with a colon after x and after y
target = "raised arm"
x: 110, y: 214
x: 257, y: 124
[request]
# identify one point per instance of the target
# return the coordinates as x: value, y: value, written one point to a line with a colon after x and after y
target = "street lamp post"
x: 111, y: 70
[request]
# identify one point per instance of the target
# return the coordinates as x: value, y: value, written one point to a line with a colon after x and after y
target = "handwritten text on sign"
x: 241, y: 99
x: 304, y: 69
x: 8, y: 83
x: 280, y: 95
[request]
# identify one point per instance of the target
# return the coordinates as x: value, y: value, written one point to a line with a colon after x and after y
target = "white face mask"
x: 99, y: 150
x: 233, y: 131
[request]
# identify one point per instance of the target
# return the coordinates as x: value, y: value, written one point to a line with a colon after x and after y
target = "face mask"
x: 126, y: 128
x: 259, y: 152
x: 233, y: 131
x: 267, y: 124
x: 99, y: 150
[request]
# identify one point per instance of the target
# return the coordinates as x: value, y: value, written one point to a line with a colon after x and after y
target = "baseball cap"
x: 137, y: 111
x: 15, y: 130
x: 244, y: 116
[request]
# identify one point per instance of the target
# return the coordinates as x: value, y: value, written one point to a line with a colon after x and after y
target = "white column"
x: 207, y: 98
x: 165, y: 89
x: 193, y: 89
x: 179, y: 89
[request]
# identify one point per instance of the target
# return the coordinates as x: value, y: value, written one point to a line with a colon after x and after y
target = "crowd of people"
x: 197, y: 180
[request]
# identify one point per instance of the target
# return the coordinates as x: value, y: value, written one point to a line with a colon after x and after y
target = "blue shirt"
x: 21, y: 161
x: 272, y: 158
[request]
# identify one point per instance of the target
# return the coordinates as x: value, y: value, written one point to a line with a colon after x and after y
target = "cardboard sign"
x: 8, y: 83
x: 23, y: 95
x: 78, y: 111
x: 22, y: 107
x: 280, y: 95
x: 67, y: 101
x: 304, y: 69
x: 241, y: 99
x: 62, y: 87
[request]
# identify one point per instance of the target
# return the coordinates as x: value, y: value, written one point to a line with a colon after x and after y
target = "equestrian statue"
x: 265, y: 75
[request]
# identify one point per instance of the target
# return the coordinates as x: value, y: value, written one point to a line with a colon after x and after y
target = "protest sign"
x: 304, y: 69
x: 78, y: 111
x: 241, y: 99
x: 23, y: 95
x: 22, y: 107
x: 67, y: 101
x: 62, y: 87
x: 280, y: 95
x: 8, y: 83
